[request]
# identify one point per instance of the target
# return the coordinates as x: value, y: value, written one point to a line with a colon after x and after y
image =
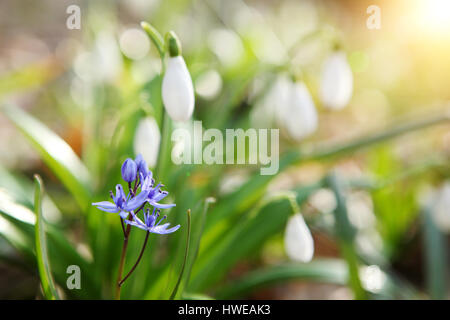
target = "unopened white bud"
x: 298, y: 241
x: 177, y: 90
x: 336, y: 85
x: 299, y: 115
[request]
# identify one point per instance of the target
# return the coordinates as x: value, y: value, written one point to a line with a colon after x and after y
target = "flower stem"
x: 137, y: 261
x: 122, y: 224
x: 122, y: 261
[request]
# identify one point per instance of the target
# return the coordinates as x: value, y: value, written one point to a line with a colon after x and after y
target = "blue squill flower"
x: 155, y: 194
x: 150, y: 223
x: 142, y: 167
x: 129, y: 170
x: 135, y: 201
x: 122, y: 203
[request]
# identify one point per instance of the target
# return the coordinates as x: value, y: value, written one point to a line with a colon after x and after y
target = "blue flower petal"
x: 161, y: 206
x: 129, y: 170
x: 162, y: 229
x: 142, y: 166
x: 106, y: 206
x: 160, y: 196
x: 136, y: 202
x: 123, y: 214
x: 132, y: 223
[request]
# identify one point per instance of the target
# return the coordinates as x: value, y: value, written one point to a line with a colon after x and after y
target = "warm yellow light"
x: 435, y: 15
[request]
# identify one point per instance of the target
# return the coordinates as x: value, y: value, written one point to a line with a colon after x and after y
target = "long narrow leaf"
x: 325, y: 270
x: 242, y: 239
x: 186, y: 252
x: 198, y: 227
x: 253, y: 189
x: 55, y: 152
x: 17, y: 226
x: 346, y: 235
x: 47, y: 282
x: 435, y: 257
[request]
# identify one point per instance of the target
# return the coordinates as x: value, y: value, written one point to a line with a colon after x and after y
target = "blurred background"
x: 399, y: 207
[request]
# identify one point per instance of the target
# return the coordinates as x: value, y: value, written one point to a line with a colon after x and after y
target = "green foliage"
x: 47, y: 282
x: 197, y: 261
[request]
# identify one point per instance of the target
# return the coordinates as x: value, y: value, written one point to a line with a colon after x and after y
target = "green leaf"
x: 27, y: 78
x: 55, y: 152
x: 16, y: 237
x: 320, y: 270
x: 253, y: 189
x: 345, y: 233
x: 242, y: 239
x: 198, y: 227
x: 196, y: 296
x: 47, y: 282
x: 186, y: 252
x: 17, y: 226
x: 220, y: 228
x: 436, y: 250
x: 156, y: 38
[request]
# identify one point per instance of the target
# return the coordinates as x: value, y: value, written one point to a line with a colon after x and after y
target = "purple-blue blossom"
x: 155, y: 194
x: 121, y: 203
x: 131, y: 203
x: 142, y: 167
x: 151, y: 224
x: 129, y: 170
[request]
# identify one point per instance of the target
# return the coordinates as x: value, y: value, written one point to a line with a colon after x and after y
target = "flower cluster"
x: 290, y: 105
x: 129, y: 205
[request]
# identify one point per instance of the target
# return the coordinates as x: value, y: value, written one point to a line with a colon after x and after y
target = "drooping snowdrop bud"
x: 299, y: 115
x: 129, y: 170
x: 147, y: 139
x: 336, y: 85
x: 441, y: 208
x: 177, y: 88
x: 269, y: 109
x: 298, y: 241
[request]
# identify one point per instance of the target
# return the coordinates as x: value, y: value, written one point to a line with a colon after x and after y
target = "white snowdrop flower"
x: 108, y: 61
x: 360, y: 210
x: 373, y: 278
x: 323, y: 200
x: 134, y: 43
x: 147, y: 139
x: 336, y: 85
x: 299, y: 115
x: 272, y: 105
x: 103, y: 63
x: 279, y: 97
x: 298, y: 241
x: 177, y: 88
x: 441, y: 208
x: 208, y: 84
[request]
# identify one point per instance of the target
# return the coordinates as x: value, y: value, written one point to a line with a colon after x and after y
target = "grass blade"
x: 241, y: 240
x: 199, y: 223
x: 321, y: 270
x: 17, y: 226
x: 48, y: 285
x: 245, y: 196
x: 55, y: 152
x: 435, y: 257
x: 346, y: 234
x: 186, y: 252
